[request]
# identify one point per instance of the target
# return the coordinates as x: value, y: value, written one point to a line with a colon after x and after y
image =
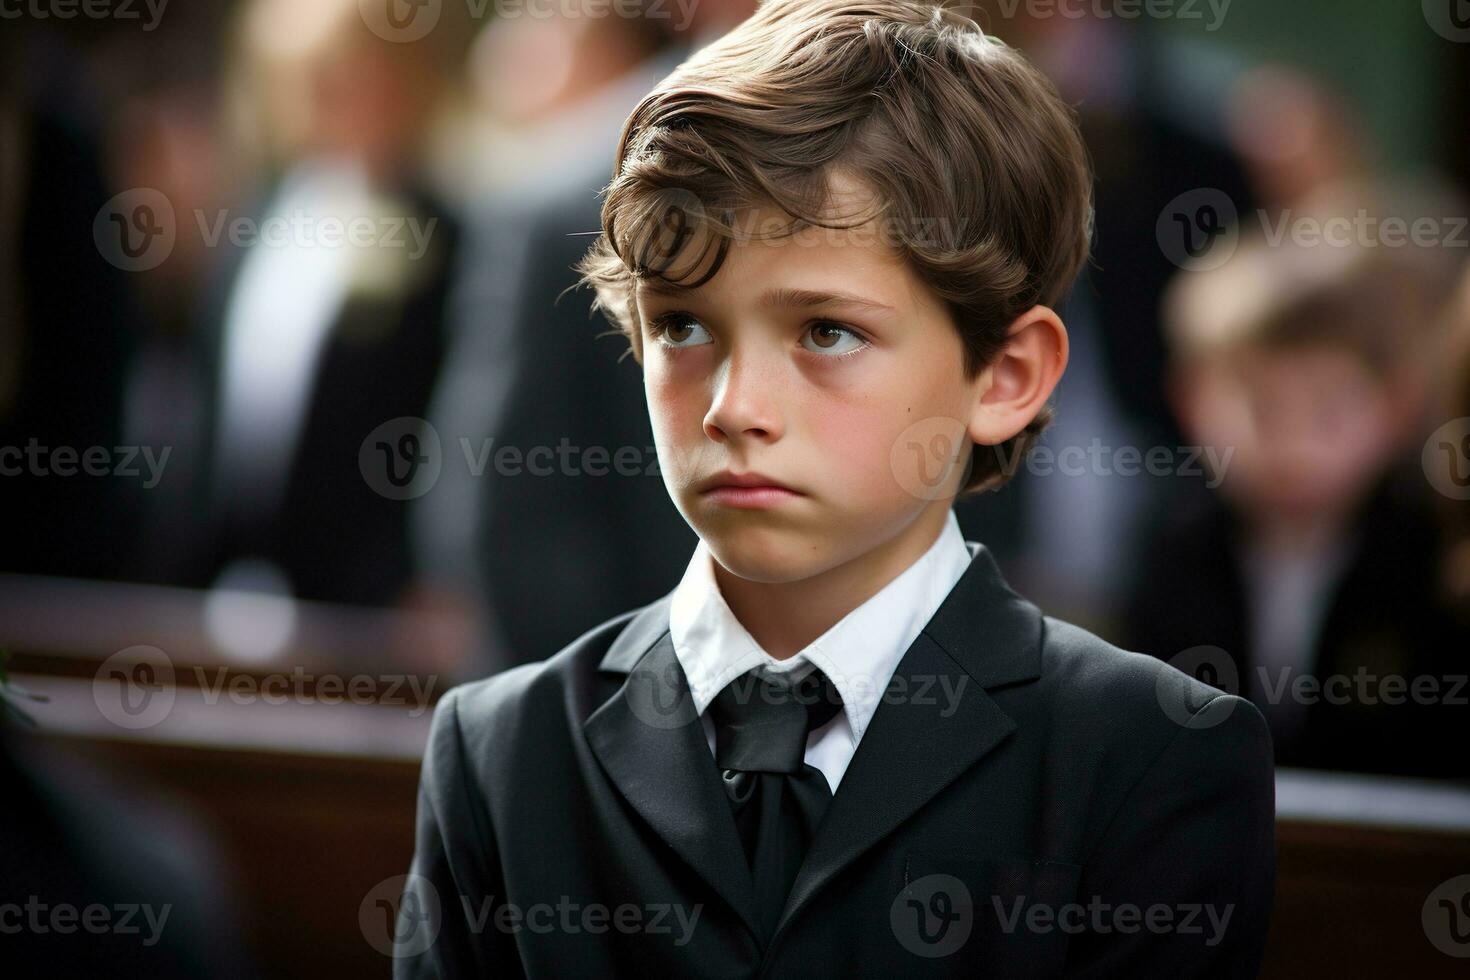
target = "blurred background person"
x: 1306, y: 367
x: 312, y: 342
x: 541, y: 554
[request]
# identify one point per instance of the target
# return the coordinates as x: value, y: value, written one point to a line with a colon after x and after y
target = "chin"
x: 766, y: 554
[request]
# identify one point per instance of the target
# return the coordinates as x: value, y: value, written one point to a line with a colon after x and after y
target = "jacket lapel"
x: 652, y: 746
x: 935, y: 722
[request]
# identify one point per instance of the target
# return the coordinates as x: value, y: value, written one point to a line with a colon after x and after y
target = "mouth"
x: 746, y: 490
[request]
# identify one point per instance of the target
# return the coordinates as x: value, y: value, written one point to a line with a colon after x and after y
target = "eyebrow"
x: 783, y: 297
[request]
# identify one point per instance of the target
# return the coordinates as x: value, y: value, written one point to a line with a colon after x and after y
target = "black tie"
x: 761, y: 729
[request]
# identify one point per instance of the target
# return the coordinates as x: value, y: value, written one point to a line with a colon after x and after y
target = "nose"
x: 744, y: 405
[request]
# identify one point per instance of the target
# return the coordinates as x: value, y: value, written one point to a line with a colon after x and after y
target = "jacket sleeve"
x: 446, y: 925
x: 1183, y: 875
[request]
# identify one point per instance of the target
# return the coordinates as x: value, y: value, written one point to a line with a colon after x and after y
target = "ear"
x: 1013, y: 389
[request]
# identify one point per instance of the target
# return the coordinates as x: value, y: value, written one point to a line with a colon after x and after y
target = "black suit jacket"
x: 1017, y: 763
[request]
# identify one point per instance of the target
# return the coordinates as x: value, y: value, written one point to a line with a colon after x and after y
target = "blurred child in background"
x: 1312, y: 567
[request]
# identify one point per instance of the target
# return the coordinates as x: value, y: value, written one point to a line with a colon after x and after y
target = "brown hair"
x: 982, y: 181
x: 1376, y: 304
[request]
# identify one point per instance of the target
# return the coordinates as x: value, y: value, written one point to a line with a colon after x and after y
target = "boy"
x: 842, y: 746
x: 1313, y: 567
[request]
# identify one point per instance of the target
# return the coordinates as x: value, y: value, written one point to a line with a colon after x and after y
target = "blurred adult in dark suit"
x: 328, y: 321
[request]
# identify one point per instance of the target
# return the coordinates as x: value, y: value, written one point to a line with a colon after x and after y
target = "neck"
x: 785, y: 617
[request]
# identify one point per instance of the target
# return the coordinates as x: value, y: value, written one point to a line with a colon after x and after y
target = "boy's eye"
x: 832, y: 338
x: 679, y: 330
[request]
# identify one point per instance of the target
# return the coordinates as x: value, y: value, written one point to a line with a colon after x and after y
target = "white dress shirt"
x: 859, y: 653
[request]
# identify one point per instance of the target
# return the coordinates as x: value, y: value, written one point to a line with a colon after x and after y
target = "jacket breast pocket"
x: 987, y: 916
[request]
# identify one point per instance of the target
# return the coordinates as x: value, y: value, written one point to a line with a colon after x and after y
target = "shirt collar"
x: 859, y: 653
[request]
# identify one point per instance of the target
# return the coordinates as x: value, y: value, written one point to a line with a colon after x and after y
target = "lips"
x: 726, y: 479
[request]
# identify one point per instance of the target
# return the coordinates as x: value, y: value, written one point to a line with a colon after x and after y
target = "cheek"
x: 854, y: 435
x: 674, y: 400
x: 846, y: 434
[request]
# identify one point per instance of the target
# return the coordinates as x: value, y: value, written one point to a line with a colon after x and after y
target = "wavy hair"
x: 981, y: 180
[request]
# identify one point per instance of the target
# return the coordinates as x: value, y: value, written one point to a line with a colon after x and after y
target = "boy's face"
x: 1311, y: 427
x: 808, y: 360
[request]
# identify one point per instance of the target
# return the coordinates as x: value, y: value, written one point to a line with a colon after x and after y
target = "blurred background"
x: 299, y: 426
